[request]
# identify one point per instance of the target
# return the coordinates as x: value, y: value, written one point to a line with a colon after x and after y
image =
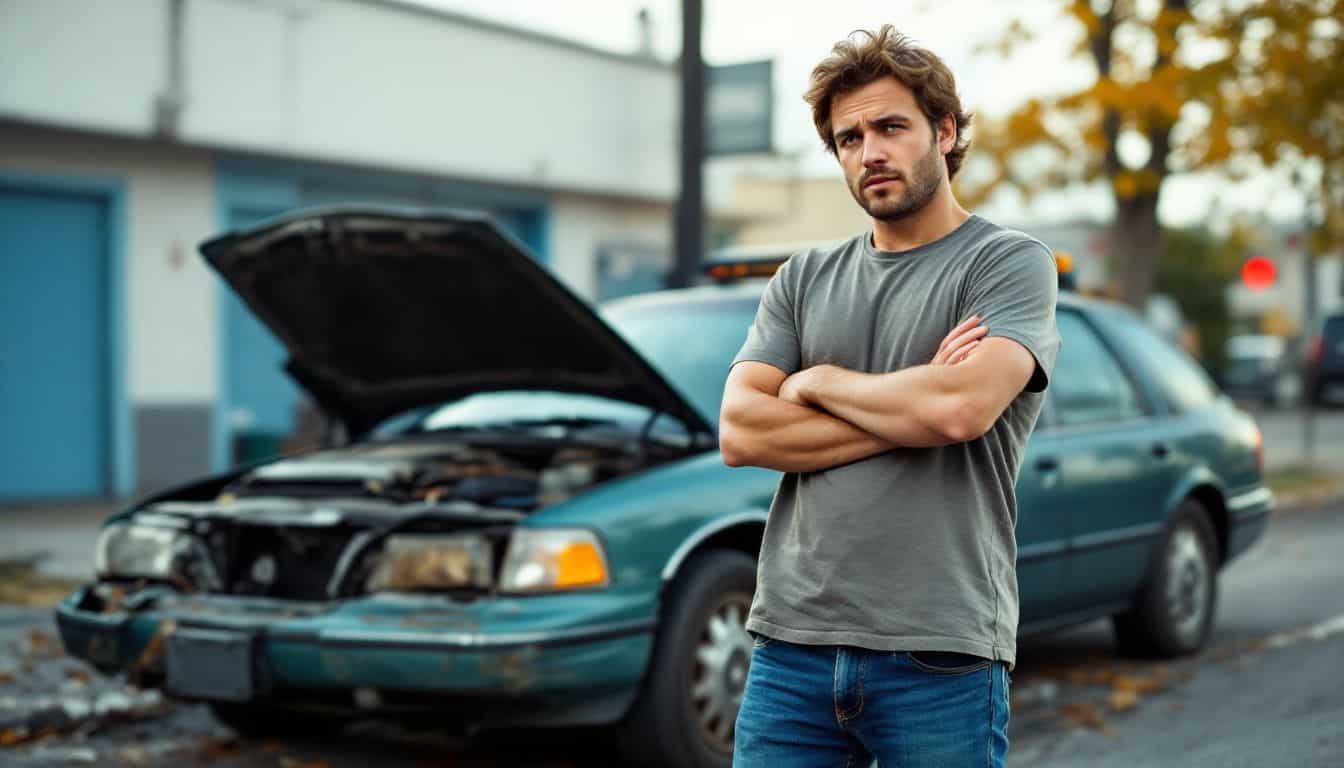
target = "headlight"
x: 541, y: 560
x: 127, y: 550
x: 433, y: 561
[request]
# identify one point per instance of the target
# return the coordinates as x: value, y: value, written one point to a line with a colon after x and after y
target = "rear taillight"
x: 1258, y: 439
x: 1316, y: 350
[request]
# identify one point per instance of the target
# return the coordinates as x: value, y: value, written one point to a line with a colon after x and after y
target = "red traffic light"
x: 1258, y: 273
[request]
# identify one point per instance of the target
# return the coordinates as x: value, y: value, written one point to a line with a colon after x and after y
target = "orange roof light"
x: 736, y: 270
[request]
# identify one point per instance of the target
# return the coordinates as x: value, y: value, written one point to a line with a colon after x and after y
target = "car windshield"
x: 1254, y: 347
x: 691, y: 342
x: 516, y: 409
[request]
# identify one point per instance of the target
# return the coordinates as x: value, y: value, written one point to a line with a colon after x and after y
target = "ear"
x: 947, y: 134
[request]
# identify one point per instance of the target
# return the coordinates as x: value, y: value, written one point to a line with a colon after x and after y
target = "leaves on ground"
x: 1123, y: 700
x: 1086, y: 714
x: 21, y: 584
x: 290, y: 762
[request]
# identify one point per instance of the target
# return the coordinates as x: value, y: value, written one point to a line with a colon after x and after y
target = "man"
x: 894, y: 379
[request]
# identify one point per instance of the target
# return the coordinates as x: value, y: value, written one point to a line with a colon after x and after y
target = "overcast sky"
x: 798, y: 33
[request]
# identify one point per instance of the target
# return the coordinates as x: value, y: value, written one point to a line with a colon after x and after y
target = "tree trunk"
x: 1136, y: 245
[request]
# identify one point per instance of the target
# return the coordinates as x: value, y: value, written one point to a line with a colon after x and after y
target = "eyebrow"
x: 893, y: 118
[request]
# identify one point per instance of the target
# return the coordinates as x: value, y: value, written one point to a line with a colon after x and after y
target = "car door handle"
x: 1161, y: 451
x: 1047, y: 464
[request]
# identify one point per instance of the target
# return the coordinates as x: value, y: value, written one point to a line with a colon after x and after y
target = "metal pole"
x: 1309, y: 322
x: 689, y: 232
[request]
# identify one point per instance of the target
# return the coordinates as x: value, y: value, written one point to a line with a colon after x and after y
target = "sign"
x: 739, y: 108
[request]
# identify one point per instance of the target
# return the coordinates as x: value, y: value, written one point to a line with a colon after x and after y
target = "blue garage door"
x: 53, y: 344
x: 263, y: 402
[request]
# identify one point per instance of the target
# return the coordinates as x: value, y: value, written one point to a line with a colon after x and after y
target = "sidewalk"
x: 60, y: 537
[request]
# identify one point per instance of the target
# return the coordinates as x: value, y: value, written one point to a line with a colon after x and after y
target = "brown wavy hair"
x: 865, y: 57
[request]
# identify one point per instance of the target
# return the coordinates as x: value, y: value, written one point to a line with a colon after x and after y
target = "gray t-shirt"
x: 912, y: 549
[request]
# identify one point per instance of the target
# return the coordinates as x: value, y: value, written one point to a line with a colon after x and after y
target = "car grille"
x: 286, y: 562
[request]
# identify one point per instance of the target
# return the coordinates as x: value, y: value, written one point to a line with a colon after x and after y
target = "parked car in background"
x: 1325, y: 358
x: 531, y: 524
x: 1262, y: 367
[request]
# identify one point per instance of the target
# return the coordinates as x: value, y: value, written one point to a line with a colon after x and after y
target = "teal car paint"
x: 537, y: 425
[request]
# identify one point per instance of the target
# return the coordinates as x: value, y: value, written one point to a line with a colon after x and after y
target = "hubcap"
x: 1187, y: 583
x: 719, y: 674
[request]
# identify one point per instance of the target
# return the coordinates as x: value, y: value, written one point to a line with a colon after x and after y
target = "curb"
x: 1310, y: 499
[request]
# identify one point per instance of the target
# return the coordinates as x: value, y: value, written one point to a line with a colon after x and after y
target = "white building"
x: 132, y: 130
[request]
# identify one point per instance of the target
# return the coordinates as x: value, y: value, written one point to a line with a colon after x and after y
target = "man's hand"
x: 792, y: 389
x: 960, y: 342
x: 956, y: 347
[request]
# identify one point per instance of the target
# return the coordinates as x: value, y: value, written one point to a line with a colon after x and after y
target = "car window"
x: 1334, y: 327
x: 1088, y: 385
x: 690, y: 343
x: 1183, y: 383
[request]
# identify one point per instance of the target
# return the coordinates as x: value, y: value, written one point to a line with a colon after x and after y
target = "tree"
x: 1194, y: 262
x: 1187, y: 85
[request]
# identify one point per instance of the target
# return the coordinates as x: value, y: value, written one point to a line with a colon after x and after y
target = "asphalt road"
x: 1269, y: 691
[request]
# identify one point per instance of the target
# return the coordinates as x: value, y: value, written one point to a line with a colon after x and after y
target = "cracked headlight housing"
x: 549, y: 560
x: 126, y: 550
x: 411, y: 562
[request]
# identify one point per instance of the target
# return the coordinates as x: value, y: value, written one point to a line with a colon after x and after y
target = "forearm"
x: 922, y: 406
x: 765, y: 431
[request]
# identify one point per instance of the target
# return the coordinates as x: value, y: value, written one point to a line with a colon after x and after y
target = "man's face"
x: 892, y: 159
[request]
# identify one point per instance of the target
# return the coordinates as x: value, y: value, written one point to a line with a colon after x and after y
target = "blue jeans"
x: 839, y: 706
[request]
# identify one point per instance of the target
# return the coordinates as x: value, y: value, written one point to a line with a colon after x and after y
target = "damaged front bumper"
x: 548, y: 660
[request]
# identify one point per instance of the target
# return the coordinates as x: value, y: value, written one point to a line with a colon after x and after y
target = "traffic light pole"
x: 689, y: 230
x: 1309, y: 323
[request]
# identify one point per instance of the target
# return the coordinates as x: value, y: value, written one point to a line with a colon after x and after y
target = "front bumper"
x: 1249, y: 514
x: 550, y: 660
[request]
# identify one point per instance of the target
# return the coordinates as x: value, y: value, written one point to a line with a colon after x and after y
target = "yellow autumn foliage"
x: 1215, y: 85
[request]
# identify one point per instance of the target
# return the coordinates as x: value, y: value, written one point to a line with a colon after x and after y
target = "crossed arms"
x: 824, y: 416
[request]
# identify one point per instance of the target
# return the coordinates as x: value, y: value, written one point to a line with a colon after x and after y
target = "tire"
x: 261, y: 721
x: 704, y: 615
x: 1173, y: 612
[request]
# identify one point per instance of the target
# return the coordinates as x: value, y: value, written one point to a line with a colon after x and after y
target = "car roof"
x: 750, y: 289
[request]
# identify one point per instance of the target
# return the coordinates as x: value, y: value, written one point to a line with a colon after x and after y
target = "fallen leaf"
x: 1138, y: 684
x: 216, y: 749
x: 290, y: 762
x: 6, y: 677
x: 1083, y: 713
x: 1122, y: 700
x: 10, y: 736
x: 79, y: 675
x: 39, y: 640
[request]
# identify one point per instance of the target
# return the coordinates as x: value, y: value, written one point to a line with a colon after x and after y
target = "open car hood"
x: 383, y: 311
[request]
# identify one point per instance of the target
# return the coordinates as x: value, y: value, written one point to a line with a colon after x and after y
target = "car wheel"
x: 1172, y: 614
x: 687, y: 710
x: 261, y: 721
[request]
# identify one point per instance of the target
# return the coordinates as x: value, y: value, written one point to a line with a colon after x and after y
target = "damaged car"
x: 522, y: 517
x: 519, y: 520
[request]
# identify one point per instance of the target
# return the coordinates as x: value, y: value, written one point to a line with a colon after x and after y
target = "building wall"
x: 366, y: 82
x: 288, y: 103
x: 795, y: 210
x: 596, y: 237
x: 169, y: 366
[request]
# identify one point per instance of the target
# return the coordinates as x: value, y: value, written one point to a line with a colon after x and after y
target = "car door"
x: 1098, y: 453
x: 1042, y: 531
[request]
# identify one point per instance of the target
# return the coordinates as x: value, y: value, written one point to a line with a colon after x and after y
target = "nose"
x: 874, y: 156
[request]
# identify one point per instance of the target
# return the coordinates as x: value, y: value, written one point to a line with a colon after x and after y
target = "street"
x: 1266, y: 692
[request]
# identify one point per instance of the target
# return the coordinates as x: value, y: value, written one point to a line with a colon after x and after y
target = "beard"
x: 921, y: 184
